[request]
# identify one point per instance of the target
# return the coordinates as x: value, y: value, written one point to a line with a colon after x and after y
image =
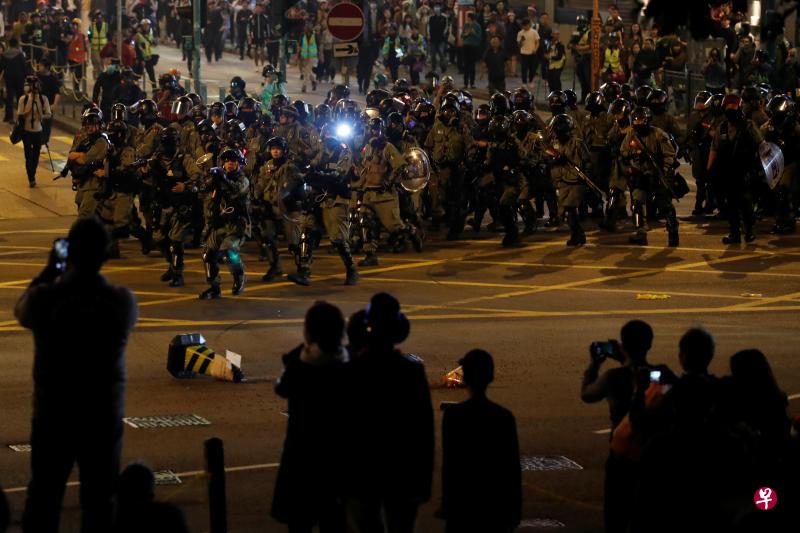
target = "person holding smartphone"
x: 33, y: 108
x: 80, y: 324
x: 618, y: 386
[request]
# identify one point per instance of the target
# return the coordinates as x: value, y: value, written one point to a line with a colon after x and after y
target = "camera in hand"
x: 600, y: 350
x: 60, y: 254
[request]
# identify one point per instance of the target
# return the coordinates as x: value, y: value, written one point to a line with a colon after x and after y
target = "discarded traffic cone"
x: 454, y: 379
x: 188, y: 355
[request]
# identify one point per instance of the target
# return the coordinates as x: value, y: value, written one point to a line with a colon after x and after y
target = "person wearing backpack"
x: 33, y: 108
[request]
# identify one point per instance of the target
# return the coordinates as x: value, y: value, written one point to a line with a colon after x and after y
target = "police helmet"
x: 448, y: 114
x: 595, y: 102
x: 182, y: 107
x: 117, y: 131
x: 610, y: 91
x: 561, y: 127
x: 557, y: 101
x: 376, y: 96
x: 780, y: 108
x: 231, y: 154
x: 217, y: 109
x: 521, y: 99
x: 277, y: 102
x: 237, y: 84
x: 657, y: 101
x: 499, y: 104
x: 571, y: 98
x: 642, y: 119
x: 231, y: 110
x: 521, y: 122
x: 701, y: 99
x: 322, y: 115
x: 199, y: 112
x: 195, y: 98
x: 168, y: 140
x: 277, y: 142
x: 119, y: 111
x: 642, y: 94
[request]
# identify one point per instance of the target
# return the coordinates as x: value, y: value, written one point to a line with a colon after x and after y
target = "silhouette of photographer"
x: 80, y: 324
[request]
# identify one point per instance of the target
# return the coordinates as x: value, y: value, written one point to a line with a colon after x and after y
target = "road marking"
x: 794, y: 396
x: 190, y: 473
x: 602, y: 431
x: 603, y: 279
x: 517, y: 285
x: 764, y: 301
x: 63, y: 138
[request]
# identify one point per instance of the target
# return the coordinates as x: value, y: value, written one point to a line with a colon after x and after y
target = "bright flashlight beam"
x: 344, y: 131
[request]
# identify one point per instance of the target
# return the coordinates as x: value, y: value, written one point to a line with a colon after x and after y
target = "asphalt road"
x: 535, y: 308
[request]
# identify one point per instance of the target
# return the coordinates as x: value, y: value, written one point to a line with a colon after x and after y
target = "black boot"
x: 609, y: 222
x: 371, y: 259
x: 349, y: 265
x: 673, y: 239
x: 508, y: 216
x: 577, y: 236
x: 275, y: 269
x: 177, y: 264
x: 236, y: 268
x: 415, y: 236
x: 211, y: 265
x: 167, y: 253
x: 529, y: 217
x: 640, y: 237
x: 301, y: 277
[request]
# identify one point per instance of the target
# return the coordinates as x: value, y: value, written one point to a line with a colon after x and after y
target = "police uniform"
x: 225, y: 204
x: 503, y: 159
x: 647, y: 179
x: 265, y: 212
x: 788, y: 139
x: 569, y: 186
x: 120, y: 184
x: 174, y: 227
x: 379, y: 164
x: 334, y: 164
x: 94, y: 149
x: 447, y: 147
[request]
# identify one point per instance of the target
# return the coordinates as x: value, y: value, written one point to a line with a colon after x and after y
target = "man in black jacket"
x: 80, y: 325
x: 390, y: 431
x: 437, y: 32
x: 14, y: 69
x: 481, y: 473
x: 104, y: 86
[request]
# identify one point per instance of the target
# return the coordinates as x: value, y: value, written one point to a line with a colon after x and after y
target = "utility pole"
x: 119, y: 31
x: 196, y: 38
x: 596, y: 45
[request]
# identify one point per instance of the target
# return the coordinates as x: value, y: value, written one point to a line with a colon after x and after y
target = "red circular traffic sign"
x: 346, y: 21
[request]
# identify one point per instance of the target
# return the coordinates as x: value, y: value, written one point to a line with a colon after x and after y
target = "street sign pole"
x: 596, y: 45
x: 196, y: 38
x: 119, y: 31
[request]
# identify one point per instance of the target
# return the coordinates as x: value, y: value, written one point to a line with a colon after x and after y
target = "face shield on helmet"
x: 119, y: 112
x: 249, y: 111
x: 395, y: 127
x: 181, y: 108
x: 277, y: 148
x: 780, y: 109
x: 557, y: 102
x: 328, y: 136
x: 231, y: 159
x: 641, y: 120
x: 117, y: 132
x: 561, y: 128
x: 448, y: 115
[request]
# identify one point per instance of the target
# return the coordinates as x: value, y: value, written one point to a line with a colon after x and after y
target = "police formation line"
x: 416, y: 159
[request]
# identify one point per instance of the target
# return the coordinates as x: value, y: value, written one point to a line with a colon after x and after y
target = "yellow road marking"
x: 517, y: 285
x: 63, y: 138
x: 580, y: 283
x: 766, y: 301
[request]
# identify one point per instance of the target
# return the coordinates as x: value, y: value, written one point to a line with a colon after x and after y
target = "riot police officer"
x: 649, y: 156
x: 783, y: 130
x: 732, y: 161
x: 227, y: 222
x: 619, y: 112
x: 265, y: 209
x: 596, y: 127
x: 697, y: 143
x: 119, y: 182
x: 503, y: 160
x: 189, y: 141
x: 330, y: 174
x: 380, y: 168
x: 447, y: 144
x: 566, y: 152
x: 175, y: 178
x: 237, y: 91
x: 86, y: 161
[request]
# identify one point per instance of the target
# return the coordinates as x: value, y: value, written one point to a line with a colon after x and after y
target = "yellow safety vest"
x: 612, y: 60
x: 99, y: 36
x: 145, y: 44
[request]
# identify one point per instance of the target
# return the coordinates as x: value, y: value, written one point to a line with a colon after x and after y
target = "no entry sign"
x: 346, y: 21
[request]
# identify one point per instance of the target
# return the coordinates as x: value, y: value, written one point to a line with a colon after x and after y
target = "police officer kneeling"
x: 227, y: 221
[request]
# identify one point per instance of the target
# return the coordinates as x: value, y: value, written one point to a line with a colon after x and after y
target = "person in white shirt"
x: 32, y: 108
x: 528, y: 40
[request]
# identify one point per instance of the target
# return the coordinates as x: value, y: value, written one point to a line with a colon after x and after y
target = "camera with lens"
x: 601, y: 350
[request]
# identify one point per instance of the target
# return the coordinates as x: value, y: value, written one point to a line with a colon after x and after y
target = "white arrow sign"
x: 345, y: 50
